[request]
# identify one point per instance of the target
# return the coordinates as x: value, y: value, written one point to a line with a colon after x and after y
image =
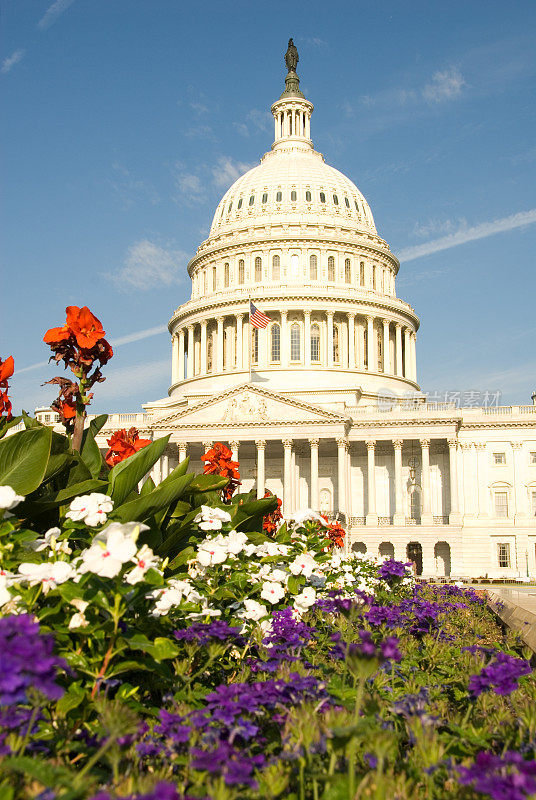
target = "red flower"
x: 7, y: 368
x: 218, y: 461
x: 65, y: 403
x: 82, y: 324
x: 269, y: 523
x: 123, y: 445
x: 336, y: 533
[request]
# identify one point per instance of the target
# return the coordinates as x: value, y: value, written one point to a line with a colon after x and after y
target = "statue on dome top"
x: 291, y: 56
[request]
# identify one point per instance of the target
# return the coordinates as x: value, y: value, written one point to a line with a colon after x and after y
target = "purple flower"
x: 506, y: 778
x: 387, y: 650
x: 162, y: 791
x: 235, y: 765
x: 26, y: 661
x: 391, y: 570
x: 172, y: 727
x: 205, y: 632
x: 502, y: 675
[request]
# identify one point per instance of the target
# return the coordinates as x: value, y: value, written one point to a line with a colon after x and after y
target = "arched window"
x: 315, y: 342
x: 226, y: 275
x: 295, y: 343
x: 278, y: 197
x: 209, y: 353
x: 230, y: 207
x: 365, y: 348
x: 240, y: 203
x: 347, y: 202
x: 264, y: 198
x: 361, y: 273
x: 293, y: 196
x: 276, y: 268
x: 380, y: 351
x: 252, y: 199
x: 313, y: 268
x: 386, y: 550
x: 205, y: 277
x: 225, y: 348
x: 241, y: 271
x: 322, y: 197
x: 414, y: 553
x: 255, y: 345
x: 336, y: 348
x: 308, y: 196
x: 335, y: 200
x: 275, y: 342
x: 374, y: 276
x: 258, y: 269
x: 347, y: 271
x: 214, y: 279
x: 331, y: 269
x: 356, y: 206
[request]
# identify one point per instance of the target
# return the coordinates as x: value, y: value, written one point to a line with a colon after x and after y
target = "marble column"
x: 261, y: 445
x: 329, y: 339
x: 407, y: 354
x: 482, y: 479
x: 372, y: 516
x: 164, y: 466
x: 174, y: 359
x: 426, y: 512
x: 348, y: 482
x: 234, y: 449
x: 518, y: 490
x: 399, y: 516
x: 386, y: 348
x: 314, y: 474
x: 219, y: 345
x: 454, y: 516
x: 180, y: 365
x: 360, y: 346
x: 284, y: 339
x: 287, y: 488
x: 239, y: 341
x: 190, y: 362
x: 371, y: 350
x: 204, y: 324
x: 351, y: 341
x: 293, y: 480
x: 414, y: 356
x: 398, y: 348
x: 183, y: 451
x: 341, y: 475
x: 307, y: 338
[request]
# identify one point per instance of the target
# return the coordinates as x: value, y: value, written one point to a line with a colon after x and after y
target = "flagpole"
x: 250, y: 334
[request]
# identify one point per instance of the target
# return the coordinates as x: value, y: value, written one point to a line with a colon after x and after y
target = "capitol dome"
x: 295, y: 237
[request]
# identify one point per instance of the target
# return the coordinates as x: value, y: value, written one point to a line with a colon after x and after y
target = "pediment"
x: 247, y: 405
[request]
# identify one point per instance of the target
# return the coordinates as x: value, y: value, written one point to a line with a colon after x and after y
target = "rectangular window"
x: 503, y: 554
x: 501, y: 504
x: 255, y: 346
x: 361, y: 273
x: 499, y: 458
x: 533, y: 502
x: 532, y: 459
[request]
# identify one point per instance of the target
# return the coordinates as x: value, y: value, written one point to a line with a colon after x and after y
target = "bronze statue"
x: 291, y: 56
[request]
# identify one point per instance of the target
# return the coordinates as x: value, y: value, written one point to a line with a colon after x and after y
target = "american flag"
x: 257, y: 318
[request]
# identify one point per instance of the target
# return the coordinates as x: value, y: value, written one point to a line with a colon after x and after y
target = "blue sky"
x: 124, y: 122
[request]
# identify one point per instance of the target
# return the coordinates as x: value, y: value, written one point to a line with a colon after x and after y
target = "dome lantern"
x: 292, y: 112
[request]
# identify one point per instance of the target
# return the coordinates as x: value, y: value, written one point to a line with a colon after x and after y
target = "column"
x: 407, y: 354
x: 348, y: 482
x: 164, y: 466
x: 386, y: 348
x: 454, y: 516
x: 219, y: 345
x: 372, y: 517
x: 360, y: 346
x: 190, y: 351
x: 371, y: 350
x: 314, y: 494
x: 287, y: 449
x: 156, y: 472
x: 284, y: 339
x: 398, y: 348
x: 482, y: 473
x: 180, y: 365
x: 261, y: 444
x: 293, y: 480
x: 234, y: 449
x: 207, y: 446
x: 239, y: 341
x: 307, y: 338
x: 426, y: 512
x: 351, y: 341
x: 414, y: 356
x: 519, y: 494
x: 341, y: 474
x: 399, y: 517
x: 204, y: 324
x: 182, y: 451
x: 174, y: 359
x: 329, y: 339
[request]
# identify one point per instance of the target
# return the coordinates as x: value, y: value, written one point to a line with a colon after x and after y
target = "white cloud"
x: 53, y: 12
x: 444, y: 85
x: 148, y: 265
x: 227, y: 170
x: 9, y: 62
x: 200, y: 132
x: 423, y: 230
x: 469, y: 234
x: 119, y: 382
x: 417, y: 277
x: 255, y: 121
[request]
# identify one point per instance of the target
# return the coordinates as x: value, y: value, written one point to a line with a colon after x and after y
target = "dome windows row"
x: 324, y: 199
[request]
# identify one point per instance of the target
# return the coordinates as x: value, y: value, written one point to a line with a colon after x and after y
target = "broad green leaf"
x: 5, y: 426
x: 147, y: 487
x: 55, y: 499
x: 294, y: 583
x: 126, y: 475
x: 207, y: 483
x: 31, y: 422
x: 48, y: 774
x: 146, y: 505
x: 78, y: 471
x: 160, y: 649
x: 248, y: 516
x: 72, y: 698
x: 90, y: 453
x: 59, y: 456
x: 181, y: 559
x: 24, y: 459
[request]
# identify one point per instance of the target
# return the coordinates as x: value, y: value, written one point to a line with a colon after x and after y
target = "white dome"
x: 292, y: 186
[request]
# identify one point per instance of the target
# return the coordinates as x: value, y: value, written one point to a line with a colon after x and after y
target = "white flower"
x: 305, y: 599
x: 90, y: 508
x: 279, y: 575
x: 303, y: 565
x: 49, y: 573
x: 254, y: 610
x: 144, y: 560
x: 5, y: 596
x: 50, y: 540
x: 78, y: 620
x: 210, y: 519
x: 210, y: 552
x: 272, y: 592
x: 306, y: 515
x: 79, y: 604
x: 235, y: 542
x: 172, y: 595
x: 272, y: 549
x: 106, y: 558
x: 9, y: 498
x: 129, y: 529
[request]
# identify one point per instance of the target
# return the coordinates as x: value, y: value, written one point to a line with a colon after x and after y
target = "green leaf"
x: 249, y: 516
x: 146, y: 505
x: 148, y: 486
x: 181, y: 559
x: 126, y: 475
x: 44, y: 772
x: 160, y: 649
x: 207, y: 483
x: 72, y: 698
x: 54, y: 499
x: 24, y: 459
x: 90, y: 453
x: 294, y: 583
x: 5, y: 425
x: 31, y: 422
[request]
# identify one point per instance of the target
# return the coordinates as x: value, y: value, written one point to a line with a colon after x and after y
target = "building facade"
x: 323, y: 406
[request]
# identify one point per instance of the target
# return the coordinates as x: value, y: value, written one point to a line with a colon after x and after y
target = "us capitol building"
x: 323, y: 406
